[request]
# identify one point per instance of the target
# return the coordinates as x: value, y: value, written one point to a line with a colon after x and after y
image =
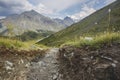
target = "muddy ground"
x: 14, y: 64
x: 90, y: 63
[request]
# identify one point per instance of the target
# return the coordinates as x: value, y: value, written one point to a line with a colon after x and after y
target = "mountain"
x: 98, y: 22
x: 28, y: 21
x: 67, y: 21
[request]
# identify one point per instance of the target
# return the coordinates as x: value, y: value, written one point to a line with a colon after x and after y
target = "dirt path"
x: 45, y: 68
x: 71, y: 64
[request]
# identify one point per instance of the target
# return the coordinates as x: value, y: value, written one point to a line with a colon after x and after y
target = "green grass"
x: 28, y: 45
x: 31, y: 35
x: 10, y: 43
x: 97, y: 41
x: 32, y: 45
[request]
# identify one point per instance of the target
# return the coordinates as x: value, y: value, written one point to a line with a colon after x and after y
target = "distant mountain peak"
x: 67, y: 21
x: 67, y: 18
x: 31, y: 12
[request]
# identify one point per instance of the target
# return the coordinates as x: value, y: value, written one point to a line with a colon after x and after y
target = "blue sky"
x: 76, y: 9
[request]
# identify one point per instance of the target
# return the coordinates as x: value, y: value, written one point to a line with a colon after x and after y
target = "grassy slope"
x: 87, y: 26
x: 95, y: 41
x: 28, y: 45
x: 31, y: 35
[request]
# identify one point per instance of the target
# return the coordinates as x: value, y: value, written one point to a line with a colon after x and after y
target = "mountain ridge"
x: 30, y: 21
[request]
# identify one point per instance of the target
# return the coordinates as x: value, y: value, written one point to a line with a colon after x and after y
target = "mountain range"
x: 67, y: 21
x: 105, y: 19
x: 32, y: 21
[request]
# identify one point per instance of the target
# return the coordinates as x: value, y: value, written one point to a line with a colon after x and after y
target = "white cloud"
x: 109, y: 1
x: 42, y: 9
x: 14, y: 6
x: 1, y: 17
x: 59, y: 5
x: 83, y: 13
x: 43, y: 6
x: 48, y: 7
x: 87, y: 9
x: 18, y: 6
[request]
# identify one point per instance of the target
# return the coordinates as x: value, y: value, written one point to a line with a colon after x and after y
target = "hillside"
x: 98, y: 22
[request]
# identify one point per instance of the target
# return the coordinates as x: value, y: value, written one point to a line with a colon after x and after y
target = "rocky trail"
x: 45, y: 68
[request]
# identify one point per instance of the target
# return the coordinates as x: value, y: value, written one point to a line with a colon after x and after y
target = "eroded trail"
x: 45, y: 68
x: 67, y: 63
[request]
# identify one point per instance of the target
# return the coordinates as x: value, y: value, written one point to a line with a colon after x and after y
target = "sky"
x: 76, y: 9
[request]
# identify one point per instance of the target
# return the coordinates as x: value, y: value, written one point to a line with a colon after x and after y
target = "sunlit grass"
x: 28, y: 45
x: 10, y: 43
x: 95, y: 41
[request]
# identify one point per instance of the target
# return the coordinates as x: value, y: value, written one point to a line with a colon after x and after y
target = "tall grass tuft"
x: 10, y: 43
x: 95, y: 41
